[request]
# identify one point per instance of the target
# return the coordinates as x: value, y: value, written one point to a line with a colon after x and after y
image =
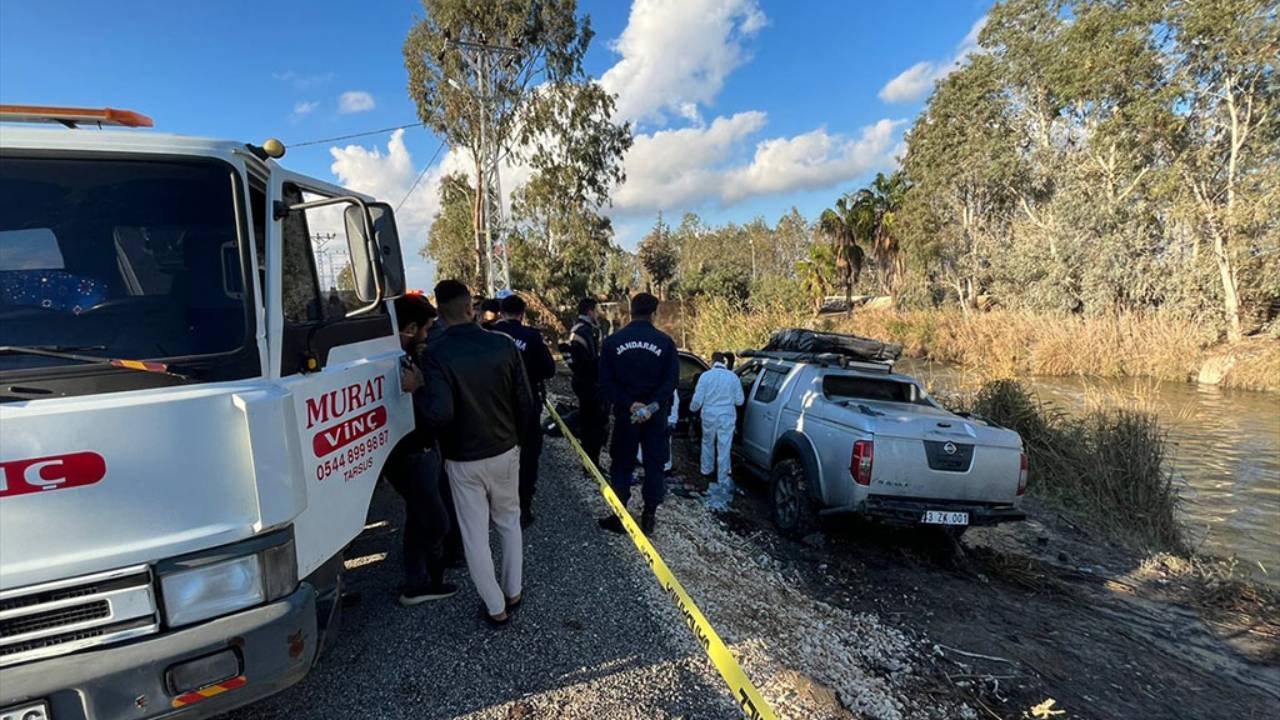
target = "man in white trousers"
x: 483, y: 410
x: 717, y: 395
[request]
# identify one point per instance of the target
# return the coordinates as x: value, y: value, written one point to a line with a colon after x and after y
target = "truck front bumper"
x: 911, y: 512
x: 274, y: 645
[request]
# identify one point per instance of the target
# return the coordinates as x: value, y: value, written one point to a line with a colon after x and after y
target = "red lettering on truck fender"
x: 348, y: 431
x: 334, y: 404
x: 55, y: 472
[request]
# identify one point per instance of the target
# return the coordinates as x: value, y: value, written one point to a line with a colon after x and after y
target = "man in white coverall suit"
x: 717, y: 394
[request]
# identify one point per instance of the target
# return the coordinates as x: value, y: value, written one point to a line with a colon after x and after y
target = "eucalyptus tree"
x: 505, y: 77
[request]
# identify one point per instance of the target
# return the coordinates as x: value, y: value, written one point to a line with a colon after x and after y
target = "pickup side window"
x: 770, y: 384
x: 747, y: 374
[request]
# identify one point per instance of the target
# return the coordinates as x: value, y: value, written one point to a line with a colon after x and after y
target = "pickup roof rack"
x: 822, y: 359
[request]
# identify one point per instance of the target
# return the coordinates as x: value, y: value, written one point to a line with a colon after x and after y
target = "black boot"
x: 611, y: 523
x: 647, y: 521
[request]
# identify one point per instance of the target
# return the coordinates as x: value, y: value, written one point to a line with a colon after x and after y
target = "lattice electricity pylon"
x: 491, y: 238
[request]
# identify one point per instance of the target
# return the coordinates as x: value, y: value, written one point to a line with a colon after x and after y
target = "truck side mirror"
x: 386, y: 245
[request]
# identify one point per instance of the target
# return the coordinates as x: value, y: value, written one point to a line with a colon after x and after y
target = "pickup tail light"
x: 861, y: 461
x: 1023, y: 469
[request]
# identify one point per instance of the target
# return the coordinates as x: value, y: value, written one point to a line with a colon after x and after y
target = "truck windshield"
x: 125, y: 259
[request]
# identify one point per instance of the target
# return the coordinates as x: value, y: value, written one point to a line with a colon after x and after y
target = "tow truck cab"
x: 191, y: 423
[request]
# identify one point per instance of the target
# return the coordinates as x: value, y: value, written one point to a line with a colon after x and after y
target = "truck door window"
x: 770, y: 384
x: 258, y: 221
x: 316, y: 263
x: 299, y: 287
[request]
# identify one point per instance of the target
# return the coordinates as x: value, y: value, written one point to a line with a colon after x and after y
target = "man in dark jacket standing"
x: 639, y: 368
x: 414, y: 470
x: 539, y: 367
x: 483, y: 410
x: 584, y: 361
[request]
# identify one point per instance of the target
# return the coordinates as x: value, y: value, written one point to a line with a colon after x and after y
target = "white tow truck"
x: 191, y: 425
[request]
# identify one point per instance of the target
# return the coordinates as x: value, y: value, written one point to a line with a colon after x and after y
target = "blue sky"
x: 742, y: 108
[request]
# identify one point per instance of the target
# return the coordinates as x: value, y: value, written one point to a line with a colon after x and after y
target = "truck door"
x: 342, y: 370
x: 761, y: 416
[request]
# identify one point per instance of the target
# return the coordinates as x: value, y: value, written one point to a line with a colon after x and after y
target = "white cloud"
x: 389, y: 175
x: 811, y: 161
x: 354, y: 101
x: 304, y: 108
x: 679, y: 169
x: 676, y: 55
x: 303, y: 81
x: 916, y: 81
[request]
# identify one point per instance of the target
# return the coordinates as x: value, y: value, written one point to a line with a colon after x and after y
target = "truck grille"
x: 65, y: 616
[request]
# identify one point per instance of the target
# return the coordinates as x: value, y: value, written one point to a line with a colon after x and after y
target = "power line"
x: 421, y: 175
x: 353, y: 135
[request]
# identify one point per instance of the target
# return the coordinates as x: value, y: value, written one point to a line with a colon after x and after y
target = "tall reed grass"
x: 1003, y: 343
x: 1107, y: 467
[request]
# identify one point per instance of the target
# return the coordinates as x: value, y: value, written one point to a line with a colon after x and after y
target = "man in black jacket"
x: 539, y: 367
x: 414, y: 470
x: 639, y: 368
x: 483, y: 410
x: 584, y: 361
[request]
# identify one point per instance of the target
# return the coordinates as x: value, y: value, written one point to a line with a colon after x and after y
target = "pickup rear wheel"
x: 792, y: 505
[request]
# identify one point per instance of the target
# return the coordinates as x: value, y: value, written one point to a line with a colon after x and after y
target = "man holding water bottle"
x: 639, y: 369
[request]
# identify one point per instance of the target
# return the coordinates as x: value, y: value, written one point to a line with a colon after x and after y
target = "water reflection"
x: 1224, y: 447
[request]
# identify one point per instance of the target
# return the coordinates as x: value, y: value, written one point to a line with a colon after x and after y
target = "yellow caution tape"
x: 749, y: 699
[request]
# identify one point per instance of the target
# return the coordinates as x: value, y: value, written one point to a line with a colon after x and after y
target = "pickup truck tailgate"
x: 945, y: 458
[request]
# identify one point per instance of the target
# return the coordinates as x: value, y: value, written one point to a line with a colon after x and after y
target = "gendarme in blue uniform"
x: 639, y: 364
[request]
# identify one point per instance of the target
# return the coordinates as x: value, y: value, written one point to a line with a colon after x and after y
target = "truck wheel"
x: 793, y: 508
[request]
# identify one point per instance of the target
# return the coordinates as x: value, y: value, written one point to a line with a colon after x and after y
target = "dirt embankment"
x: 863, y: 621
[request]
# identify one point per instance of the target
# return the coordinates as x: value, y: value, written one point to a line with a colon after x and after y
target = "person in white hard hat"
x: 717, y: 395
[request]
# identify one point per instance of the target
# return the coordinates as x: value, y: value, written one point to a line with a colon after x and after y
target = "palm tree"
x: 882, y: 201
x: 845, y: 225
x: 816, y: 272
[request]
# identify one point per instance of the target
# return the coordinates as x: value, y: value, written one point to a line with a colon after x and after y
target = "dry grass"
x: 720, y: 325
x: 1107, y: 467
x: 1007, y: 343
x: 1257, y: 367
x: 1003, y: 344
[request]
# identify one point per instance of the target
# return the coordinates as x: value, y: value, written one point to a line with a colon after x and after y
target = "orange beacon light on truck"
x: 71, y: 117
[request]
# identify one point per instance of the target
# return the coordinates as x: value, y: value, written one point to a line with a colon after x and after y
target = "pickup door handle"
x: 769, y: 415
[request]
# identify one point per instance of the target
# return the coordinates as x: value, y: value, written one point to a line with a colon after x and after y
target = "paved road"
x: 592, y: 639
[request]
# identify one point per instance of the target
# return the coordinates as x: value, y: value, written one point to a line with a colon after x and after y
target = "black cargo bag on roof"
x: 851, y: 346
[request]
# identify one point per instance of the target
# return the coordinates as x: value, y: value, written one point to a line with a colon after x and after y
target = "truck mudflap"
x: 273, y: 646
x: 911, y: 511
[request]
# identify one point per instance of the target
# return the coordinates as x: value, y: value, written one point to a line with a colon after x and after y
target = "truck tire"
x: 790, y: 502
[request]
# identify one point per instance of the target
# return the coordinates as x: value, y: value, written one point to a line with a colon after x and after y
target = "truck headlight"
x: 212, y: 590
x: 205, y: 590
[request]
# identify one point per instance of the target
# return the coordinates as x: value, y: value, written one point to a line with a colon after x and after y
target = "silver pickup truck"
x: 835, y: 434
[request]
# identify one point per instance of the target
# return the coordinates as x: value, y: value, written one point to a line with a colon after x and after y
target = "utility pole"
x: 324, y: 255
x: 490, y: 235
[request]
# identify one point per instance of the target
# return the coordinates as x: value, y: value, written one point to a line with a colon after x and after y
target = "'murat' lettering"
x: 640, y: 345
x: 337, y: 403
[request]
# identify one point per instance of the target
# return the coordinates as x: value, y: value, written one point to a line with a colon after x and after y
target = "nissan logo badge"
x: 949, y: 448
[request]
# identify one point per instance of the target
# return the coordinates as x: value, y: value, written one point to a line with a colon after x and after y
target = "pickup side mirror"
x: 386, y: 245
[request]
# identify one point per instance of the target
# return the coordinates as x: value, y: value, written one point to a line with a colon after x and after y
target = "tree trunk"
x: 1230, y: 288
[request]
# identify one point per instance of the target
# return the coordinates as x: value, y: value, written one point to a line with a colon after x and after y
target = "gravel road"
x: 593, y: 639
